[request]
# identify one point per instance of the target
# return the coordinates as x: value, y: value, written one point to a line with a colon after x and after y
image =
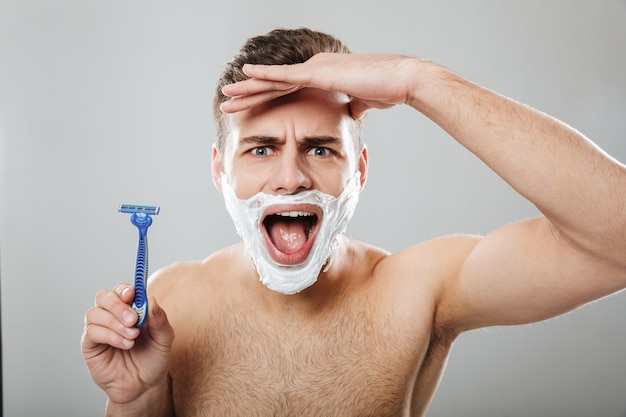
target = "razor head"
x: 134, y: 208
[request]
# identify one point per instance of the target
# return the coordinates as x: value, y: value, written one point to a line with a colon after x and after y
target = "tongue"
x: 288, y: 236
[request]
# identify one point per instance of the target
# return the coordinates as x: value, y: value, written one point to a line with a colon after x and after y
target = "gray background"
x: 104, y: 102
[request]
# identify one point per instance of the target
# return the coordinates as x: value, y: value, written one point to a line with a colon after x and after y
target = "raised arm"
x: 538, y: 268
x: 526, y: 271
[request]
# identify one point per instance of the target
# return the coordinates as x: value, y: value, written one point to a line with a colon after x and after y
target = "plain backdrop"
x: 109, y: 102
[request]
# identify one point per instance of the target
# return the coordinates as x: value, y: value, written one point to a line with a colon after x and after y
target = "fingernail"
x: 129, y: 317
x: 125, y: 291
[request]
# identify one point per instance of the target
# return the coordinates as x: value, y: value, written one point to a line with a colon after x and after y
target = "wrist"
x: 429, y: 85
x: 154, y: 402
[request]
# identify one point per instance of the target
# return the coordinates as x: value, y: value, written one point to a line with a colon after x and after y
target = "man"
x: 299, y: 319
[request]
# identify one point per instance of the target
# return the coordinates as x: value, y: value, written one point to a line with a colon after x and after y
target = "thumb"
x: 158, y: 326
x: 358, y: 108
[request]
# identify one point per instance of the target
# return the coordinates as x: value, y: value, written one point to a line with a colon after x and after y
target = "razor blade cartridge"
x: 133, y: 208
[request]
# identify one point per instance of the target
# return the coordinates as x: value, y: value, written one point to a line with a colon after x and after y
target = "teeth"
x: 294, y: 213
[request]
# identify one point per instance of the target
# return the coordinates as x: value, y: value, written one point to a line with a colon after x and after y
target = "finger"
x: 358, y: 109
x: 293, y: 74
x: 240, y: 103
x: 359, y: 106
x: 97, y: 316
x: 125, y: 291
x: 158, y: 326
x: 95, y: 337
x: 255, y: 86
x: 118, y: 307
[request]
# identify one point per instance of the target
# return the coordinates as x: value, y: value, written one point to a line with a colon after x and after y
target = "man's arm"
x: 536, y: 268
x: 526, y: 271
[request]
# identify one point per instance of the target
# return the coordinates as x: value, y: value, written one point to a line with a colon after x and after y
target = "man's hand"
x: 373, y: 81
x: 126, y: 362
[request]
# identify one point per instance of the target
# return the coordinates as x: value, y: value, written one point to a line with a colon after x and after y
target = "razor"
x: 141, y: 218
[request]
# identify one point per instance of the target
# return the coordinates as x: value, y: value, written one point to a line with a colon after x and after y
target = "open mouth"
x: 290, y: 231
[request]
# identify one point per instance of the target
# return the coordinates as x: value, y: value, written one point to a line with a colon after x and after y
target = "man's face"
x: 293, y: 144
x: 299, y: 142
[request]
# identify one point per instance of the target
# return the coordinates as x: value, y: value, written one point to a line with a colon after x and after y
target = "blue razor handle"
x: 140, y: 217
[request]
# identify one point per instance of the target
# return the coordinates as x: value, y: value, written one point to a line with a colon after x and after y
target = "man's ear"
x: 216, y: 167
x: 363, y: 165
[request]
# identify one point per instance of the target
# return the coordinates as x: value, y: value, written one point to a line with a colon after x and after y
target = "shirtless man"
x: 368, y: 332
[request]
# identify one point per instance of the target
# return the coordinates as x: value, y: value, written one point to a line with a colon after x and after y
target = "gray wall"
x: 104, y: 102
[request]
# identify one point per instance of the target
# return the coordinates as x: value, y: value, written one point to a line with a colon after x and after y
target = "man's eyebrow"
x: 319, y: 140
x: 259, y: 140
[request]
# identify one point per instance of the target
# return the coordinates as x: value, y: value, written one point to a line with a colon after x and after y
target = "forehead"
x: 306, y: 113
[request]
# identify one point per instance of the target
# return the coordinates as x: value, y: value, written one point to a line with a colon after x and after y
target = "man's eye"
x: 319, y: 151
x: 260, y: 151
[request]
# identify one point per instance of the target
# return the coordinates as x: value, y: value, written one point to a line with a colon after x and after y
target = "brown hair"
x: 278, y: 47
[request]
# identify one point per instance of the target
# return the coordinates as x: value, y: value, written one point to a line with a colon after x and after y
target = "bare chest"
x: 351, y: 364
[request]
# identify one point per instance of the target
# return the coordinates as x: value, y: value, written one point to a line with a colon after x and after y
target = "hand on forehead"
x: 363, y: 77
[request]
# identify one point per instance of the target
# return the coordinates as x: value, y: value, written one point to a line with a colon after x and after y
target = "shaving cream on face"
x: 290, y: 279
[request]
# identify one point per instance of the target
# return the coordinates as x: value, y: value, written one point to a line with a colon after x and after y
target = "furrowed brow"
x: 259, y: 140
x: 320, y: 141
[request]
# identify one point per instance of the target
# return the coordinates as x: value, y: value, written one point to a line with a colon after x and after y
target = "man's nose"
x: 290, y: 176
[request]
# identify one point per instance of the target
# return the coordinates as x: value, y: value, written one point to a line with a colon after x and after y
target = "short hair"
x: 278, y: 47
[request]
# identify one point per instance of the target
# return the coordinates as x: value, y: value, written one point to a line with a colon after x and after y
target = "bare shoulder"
x: 188, y: 277
x: 420, y: 275
x: 434, y: 260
